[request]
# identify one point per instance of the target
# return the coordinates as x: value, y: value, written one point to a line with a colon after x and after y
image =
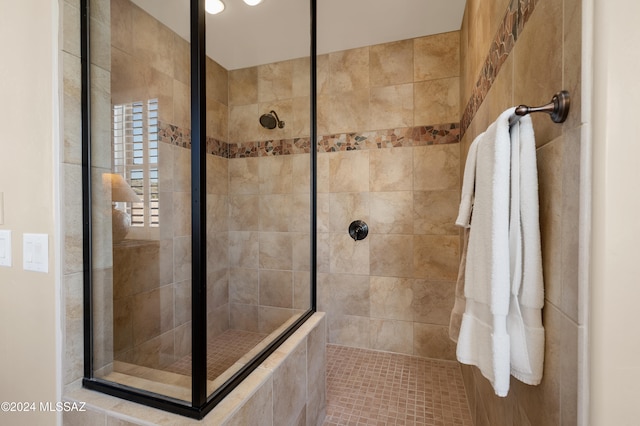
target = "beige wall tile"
x: 391, y: 107
x: 182, y: 300
x: 217, y: 82
x: 349, y: 330
x: 274, y: 212
x: 101, y: 116
x: 149, y: 39
x: 349, y: 70
x: 243, y: 86
x: 322, y: 70
x: 181, y: 52
x: 391, y: 255
x: 391, y: 212
x: 349, y: 171
x: 391, y: 335
x: 72, y: 219
x: 121, y: 27
x: 72, y: 148
x: 152, y: 314
x: 344, y: 294
x: 300, y: 217
x: 391, y: 63
x: 243, y: 249
x: 539, y: 71
x: 571, y: 194
x: 344, y: 112
x: 301, y: 82
x: 217, y: 288
x: 290, y: 386
x: 275, y: 174
x: 217, y: 251
x: 551, y: 199
x: 391, y: 298
x: 435, y: 257
x: 217, y: 175
x: 391, y: 169
x: 301, y: 242
x: 432, y: 301
x: 276, y: 288
x: 324, y: 252
x: 243, y: 317
x: 432, y: 341
x: 243, y: 286
x: 243, y: 123
x: 299, y: 125
x: 217, y: 213
x: 270, y: 318
x: 243, y: 176
x: 347, y: 207
x: 181, y: 214
x: 258, y: 408
x: 435, y: 212
x: 217, y: 120
x: 348, y: 256
x: 181, y: 105
x: 436, y: 167
x: 437, y: 101
x: 301, y: 173
x: 437, y: 56
x: 73, y: 359
x: 301, y: 290
x: 275, y: 251
x: 275, y: 81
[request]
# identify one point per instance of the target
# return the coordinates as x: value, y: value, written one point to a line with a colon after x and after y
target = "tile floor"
x: 366, y: 387
x: 222, y: 352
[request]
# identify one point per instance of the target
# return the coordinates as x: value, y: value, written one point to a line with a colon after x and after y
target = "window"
x: 135, y: 158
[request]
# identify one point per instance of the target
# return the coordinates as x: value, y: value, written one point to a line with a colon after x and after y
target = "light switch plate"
x: 5, y: 247
x: 35, y: 252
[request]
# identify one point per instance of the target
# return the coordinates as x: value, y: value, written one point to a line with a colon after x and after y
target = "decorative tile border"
x: 516, y: 16
x: 392, y: 138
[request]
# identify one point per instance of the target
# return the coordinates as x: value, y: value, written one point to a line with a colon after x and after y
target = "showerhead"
x: 271, y: 120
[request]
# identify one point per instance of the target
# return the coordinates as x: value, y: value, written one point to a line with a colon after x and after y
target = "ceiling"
x: 276, y: 30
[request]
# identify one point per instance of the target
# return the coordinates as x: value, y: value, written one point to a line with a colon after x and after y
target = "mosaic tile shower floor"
x: 366, y: 387
x: 222, y: 352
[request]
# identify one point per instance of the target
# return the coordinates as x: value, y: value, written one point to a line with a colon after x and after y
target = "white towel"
x: 501, y: 331
x: 464, y: 220
x: 524, y: 321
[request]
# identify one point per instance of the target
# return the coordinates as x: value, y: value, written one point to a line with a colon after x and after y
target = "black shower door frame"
x: 201, y: 403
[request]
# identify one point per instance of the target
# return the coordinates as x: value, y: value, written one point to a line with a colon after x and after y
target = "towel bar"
x: 558, y: 108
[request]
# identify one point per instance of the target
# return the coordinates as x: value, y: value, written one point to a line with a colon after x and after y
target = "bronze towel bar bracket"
x: 558, y: 108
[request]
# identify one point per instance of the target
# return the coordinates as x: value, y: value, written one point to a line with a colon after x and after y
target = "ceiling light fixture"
x: 252, y: 2
x: 214, y: 6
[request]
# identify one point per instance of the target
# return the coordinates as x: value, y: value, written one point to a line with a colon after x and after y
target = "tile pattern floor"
x: 366, y: 387
x: 222, y: 352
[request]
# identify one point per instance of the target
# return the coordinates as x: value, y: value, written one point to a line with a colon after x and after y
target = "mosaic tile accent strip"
x: 392, y: 138
x: 366, y: 387
x: 222, y: 352
x: 403, y: 137
x: 517, y: 15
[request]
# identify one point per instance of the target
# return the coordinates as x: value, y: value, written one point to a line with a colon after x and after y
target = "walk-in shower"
x: 211, y: 263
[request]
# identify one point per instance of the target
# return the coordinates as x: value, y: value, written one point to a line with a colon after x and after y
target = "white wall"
x: 29, y: 329
x: 615, y: 255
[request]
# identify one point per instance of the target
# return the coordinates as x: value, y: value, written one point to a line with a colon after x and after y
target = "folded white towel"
x: 501, y: 329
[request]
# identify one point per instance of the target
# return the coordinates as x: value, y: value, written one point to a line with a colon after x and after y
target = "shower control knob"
x: 358, y: 230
